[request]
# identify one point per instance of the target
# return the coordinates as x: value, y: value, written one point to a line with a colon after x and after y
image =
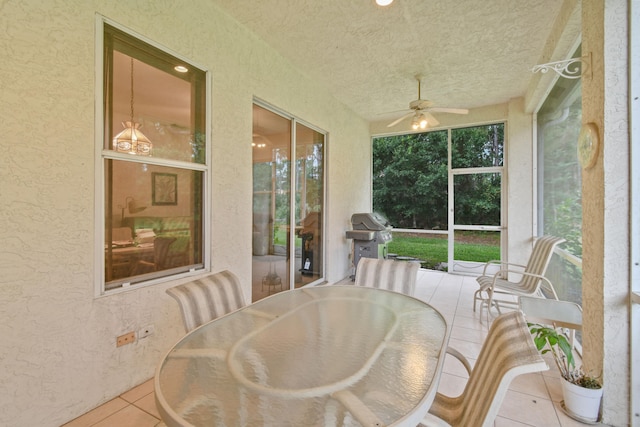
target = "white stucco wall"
x: 605, y: 220
x: 58, y: 357
x: 521, y: 179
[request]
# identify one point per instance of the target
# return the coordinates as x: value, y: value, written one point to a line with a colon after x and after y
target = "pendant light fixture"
x: 131, y: 140
x: 419, y: 121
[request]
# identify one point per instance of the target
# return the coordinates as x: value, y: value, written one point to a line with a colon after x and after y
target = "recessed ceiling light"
x: 181, y: 68
x: 384, y: 2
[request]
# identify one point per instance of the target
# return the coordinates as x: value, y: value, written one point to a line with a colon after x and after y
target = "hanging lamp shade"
x: 131, y: 140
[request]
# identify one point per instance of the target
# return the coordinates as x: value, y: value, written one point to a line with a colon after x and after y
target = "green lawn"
x: 430, y: 250
x: 433, y: 251
x: 280, y: 237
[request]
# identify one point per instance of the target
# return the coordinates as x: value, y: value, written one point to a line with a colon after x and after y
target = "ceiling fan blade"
x: 395, y: 122
x: 430, y: 119
x: 395, y: 112
x: 449, y: 110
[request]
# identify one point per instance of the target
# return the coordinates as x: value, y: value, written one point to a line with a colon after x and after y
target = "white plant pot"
x: 582, y: 404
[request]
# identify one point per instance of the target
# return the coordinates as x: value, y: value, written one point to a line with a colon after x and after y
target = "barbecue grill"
x: 371, y: 234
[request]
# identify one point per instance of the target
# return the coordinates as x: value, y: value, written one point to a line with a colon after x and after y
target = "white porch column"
x: 605, y: 191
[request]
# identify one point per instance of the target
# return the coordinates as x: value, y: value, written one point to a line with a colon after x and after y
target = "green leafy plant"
x: 549, y: 339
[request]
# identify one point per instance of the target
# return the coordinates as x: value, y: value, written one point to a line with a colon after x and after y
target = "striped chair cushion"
x: 507, y: 352
x: 207, y: 298
x: 538, y: 262
x: 397, y: 276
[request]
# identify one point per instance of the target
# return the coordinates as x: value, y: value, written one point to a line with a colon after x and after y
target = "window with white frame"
x: 560, y: 183
x: 154, y: 160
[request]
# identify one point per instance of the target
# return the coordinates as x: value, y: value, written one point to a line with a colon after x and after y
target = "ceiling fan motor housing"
x: 420, y: 104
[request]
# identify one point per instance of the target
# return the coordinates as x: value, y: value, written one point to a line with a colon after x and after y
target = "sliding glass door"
x: 286, y: 256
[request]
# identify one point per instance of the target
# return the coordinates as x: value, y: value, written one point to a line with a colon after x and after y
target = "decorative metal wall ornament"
x: 565, y: 69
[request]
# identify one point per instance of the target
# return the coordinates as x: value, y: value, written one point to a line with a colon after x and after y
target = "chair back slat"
x: 397, y: 276
x: 207, y: 298
x: 539, y: 261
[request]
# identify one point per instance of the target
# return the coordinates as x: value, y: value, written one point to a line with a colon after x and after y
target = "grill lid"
x: 369, y: 221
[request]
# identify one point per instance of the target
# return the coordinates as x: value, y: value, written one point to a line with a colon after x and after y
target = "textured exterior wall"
x: 520, y: 177
x: 605, y: 189
x: 58, y: 357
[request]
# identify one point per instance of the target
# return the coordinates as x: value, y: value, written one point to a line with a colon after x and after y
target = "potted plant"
x: 582, y: 392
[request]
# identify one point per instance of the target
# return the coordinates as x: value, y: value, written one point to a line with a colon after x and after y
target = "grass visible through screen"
x: 432, y: 251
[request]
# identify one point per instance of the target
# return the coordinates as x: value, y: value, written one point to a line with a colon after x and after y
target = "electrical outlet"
x: 146, y: 331
x: 127, y: 338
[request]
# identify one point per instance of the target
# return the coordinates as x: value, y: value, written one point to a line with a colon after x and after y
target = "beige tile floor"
x: 135, y: 408
x: 532, y: 400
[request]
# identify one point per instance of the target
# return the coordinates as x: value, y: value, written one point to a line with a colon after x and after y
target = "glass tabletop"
x: 325, y: 355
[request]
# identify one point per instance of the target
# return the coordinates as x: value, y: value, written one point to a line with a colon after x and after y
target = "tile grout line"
x: 144, y: 410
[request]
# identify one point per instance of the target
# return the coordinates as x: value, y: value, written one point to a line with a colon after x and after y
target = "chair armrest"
x: 501, y: 263
x: 502, y: 275
x: 455, y: 353
x: 442, y: 402
x: 549, y: 286
x: 488, y: 263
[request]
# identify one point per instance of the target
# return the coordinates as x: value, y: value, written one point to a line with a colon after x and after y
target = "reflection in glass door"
x: 309, y: 202
x: 284, y: 256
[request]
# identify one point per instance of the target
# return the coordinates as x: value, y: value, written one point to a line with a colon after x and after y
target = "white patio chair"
x: 531, y: 281
x: 559, y: 314
x: 398, y: 276
x: 160, y: 251
x: 507, y: 352
x: 207, y: 298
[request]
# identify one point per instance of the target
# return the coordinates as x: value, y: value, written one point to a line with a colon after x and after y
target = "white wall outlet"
x: 146, y: 331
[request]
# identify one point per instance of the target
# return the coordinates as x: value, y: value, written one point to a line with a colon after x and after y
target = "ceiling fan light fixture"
x: 420, y: 111
x: 259, y: 141
x: 419, y: 122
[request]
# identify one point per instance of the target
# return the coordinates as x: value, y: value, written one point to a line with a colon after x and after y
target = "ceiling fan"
x: 421, y: 110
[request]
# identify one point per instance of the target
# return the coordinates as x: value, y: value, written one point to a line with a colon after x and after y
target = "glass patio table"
x: 340, y: 355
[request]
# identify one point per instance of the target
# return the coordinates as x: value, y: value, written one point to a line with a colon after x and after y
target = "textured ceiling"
x: 471, y: 53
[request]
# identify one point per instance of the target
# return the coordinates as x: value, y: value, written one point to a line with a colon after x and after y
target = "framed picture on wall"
x: 164, y: 188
